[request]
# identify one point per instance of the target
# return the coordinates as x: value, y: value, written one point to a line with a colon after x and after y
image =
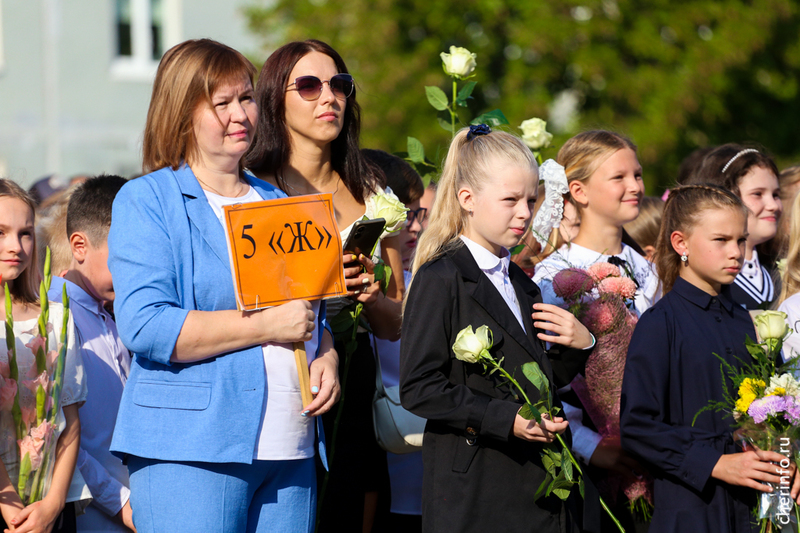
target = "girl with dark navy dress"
x: 753, y: 177
x: 703, y: 481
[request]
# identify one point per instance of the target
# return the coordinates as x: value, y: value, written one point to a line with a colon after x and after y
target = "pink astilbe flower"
x: 33, y: 385
x: 623, y: 286
x: 32, y: 447
x: 572, y: 283
x: 601, y: 271
x: 8, y: 392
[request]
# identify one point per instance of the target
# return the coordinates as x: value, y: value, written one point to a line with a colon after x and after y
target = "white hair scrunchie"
x: 552, y: 209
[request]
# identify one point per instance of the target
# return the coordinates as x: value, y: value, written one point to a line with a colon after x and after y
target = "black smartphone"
x: 363, y: 236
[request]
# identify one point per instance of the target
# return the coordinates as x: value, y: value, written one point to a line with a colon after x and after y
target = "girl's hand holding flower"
x: 544, y: 432
x: 568, y: 331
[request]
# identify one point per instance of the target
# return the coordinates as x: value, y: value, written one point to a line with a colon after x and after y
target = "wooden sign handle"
x: 302, y: 372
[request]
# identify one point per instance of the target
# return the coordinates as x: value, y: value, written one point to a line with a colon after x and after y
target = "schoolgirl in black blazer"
x: 481, y: 470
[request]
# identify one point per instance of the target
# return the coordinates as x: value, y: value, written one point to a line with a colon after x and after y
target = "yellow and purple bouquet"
x: 765, y: 405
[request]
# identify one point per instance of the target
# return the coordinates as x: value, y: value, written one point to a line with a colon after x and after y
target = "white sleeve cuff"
x: 584, y: 440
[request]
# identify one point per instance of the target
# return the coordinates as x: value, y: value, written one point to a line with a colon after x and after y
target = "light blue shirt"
x: 107, y: 363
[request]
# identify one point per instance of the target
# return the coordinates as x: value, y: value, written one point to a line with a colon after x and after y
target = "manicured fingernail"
x: 365, y: 281
x: 354, y: 258
x: 315, y: 389
x: 304, y: 413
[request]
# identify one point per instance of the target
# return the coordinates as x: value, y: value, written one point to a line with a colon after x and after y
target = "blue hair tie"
x: 478, y: 129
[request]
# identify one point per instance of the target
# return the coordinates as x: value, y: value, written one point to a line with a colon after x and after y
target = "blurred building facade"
x: 76, y: 77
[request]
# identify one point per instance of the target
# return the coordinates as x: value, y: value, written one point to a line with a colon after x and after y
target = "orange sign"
x: 285, y: 249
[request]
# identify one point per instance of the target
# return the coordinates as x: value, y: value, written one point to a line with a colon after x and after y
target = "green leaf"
x: 536, y: 376
x: 379, y: 270
x: 416, y: 152
x: 492, y: 118
x: 755, y: 349
x: 387, y: 278
x: 436, y: 98
x: 464, y: 93
x: 529, y: 414
x: 563, y: 494
x: 549, y: 464
x: 541, y: 490
x: 566, y: 467
x: 580, y: 488
x: 444, y: 124
x: 514, y: 250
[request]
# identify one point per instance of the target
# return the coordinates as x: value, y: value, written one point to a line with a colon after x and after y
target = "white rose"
x: 771, y: 325
x: 534, y: 133
x: 460, y: 62
x: 387, y: 206
x: 471, y: 346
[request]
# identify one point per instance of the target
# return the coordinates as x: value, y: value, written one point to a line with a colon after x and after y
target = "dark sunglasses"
x: 418, y: 214
x: 310, y: 87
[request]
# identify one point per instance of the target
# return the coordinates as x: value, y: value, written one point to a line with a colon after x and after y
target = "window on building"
x: 144, y: 29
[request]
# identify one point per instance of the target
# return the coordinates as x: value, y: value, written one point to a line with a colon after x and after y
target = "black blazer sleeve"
x: 427, y: 361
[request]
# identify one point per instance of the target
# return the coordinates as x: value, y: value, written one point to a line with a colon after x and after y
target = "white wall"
x: 64, y: 105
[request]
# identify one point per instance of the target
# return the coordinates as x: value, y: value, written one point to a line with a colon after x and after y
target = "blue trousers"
x: 266, y: 496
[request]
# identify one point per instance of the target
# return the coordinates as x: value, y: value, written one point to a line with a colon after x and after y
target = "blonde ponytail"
x: 469, y: 163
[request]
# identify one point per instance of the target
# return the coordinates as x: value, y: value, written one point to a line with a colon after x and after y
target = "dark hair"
x: 736, y: 164
x: 691, y: 164
x: 682, y: 212
x: 400, y: 176
x: 188, y: 74
x: 89, y: 208
x: 271, y: 146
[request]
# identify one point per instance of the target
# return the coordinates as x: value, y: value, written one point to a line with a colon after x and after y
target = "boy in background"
x: 105, y: 359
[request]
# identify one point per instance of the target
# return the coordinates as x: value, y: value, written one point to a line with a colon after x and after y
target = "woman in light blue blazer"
x: 211, y: 422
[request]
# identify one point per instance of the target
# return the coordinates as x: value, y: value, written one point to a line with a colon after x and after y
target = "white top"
x: 405, y: 470
x: 791, y: 306
x: 571, y: 255
x: 107, y: 364
x: 283, y: 433
x: 496, y: 269
x: 73, y: 390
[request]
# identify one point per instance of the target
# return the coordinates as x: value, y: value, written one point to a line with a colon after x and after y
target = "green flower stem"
x: 485, y: 357
x: 11, y: 343
x: 453, y: 111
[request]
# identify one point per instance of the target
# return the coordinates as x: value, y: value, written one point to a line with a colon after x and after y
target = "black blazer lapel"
x: 488, y: 297
x: 527, y: 295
